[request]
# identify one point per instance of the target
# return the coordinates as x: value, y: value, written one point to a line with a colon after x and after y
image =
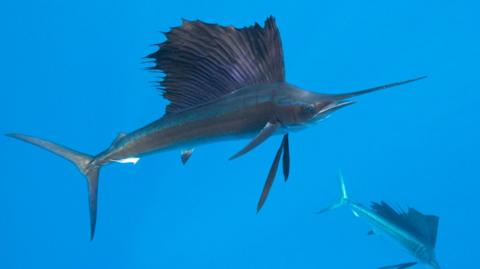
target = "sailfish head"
x: 306, y: 107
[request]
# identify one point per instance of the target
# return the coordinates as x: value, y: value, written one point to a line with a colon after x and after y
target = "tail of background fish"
x: 82, y: 161
x: 343, y: 197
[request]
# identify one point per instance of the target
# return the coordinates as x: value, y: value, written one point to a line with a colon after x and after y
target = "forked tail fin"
x: 343, y: 197
x: 83, y: 163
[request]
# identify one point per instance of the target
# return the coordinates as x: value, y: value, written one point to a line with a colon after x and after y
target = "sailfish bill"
x: 378, y: 88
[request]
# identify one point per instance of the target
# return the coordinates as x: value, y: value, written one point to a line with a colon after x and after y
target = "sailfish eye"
x: 308, y: 109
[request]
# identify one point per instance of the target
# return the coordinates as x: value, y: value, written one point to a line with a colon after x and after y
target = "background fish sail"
x: 222, y: 83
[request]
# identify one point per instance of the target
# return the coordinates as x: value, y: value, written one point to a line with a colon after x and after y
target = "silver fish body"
x: 241, y: 114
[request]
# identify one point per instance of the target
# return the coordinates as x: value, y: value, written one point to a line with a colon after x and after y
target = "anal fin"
x: 186, y: 154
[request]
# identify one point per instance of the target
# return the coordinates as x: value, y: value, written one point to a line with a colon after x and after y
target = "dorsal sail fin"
x: 203, y: 61
x: 424, y: 227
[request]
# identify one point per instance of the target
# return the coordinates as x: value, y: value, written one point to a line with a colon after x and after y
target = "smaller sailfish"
x: 415, y: 231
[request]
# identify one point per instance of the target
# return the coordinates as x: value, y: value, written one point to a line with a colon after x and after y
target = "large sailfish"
x: 415, y: 231
x: 222, y: 83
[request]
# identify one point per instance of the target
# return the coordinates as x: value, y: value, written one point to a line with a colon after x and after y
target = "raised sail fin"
x: 423, y: 227
x: 203, y: 61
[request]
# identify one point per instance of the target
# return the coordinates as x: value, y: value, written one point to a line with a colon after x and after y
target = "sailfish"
x: 222, y: 83
x: 414, y: 230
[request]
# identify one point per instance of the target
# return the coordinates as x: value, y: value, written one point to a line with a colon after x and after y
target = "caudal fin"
x: 343, y: 197
x: 82, y: 161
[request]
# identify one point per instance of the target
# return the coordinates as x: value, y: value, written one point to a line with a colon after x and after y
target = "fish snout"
x: 326, y: 108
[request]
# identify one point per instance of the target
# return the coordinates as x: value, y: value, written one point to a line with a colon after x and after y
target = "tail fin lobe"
x: 343, y: 197
x: 79, y: 159
x: 82, y: 161
x: 92, y: 185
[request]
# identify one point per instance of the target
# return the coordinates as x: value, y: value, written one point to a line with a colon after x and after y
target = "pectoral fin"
x: 265, y: 133
x: 399, y: 266
x: 270, y: 178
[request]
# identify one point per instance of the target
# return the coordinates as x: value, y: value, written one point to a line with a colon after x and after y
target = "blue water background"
x: 72, y: 72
